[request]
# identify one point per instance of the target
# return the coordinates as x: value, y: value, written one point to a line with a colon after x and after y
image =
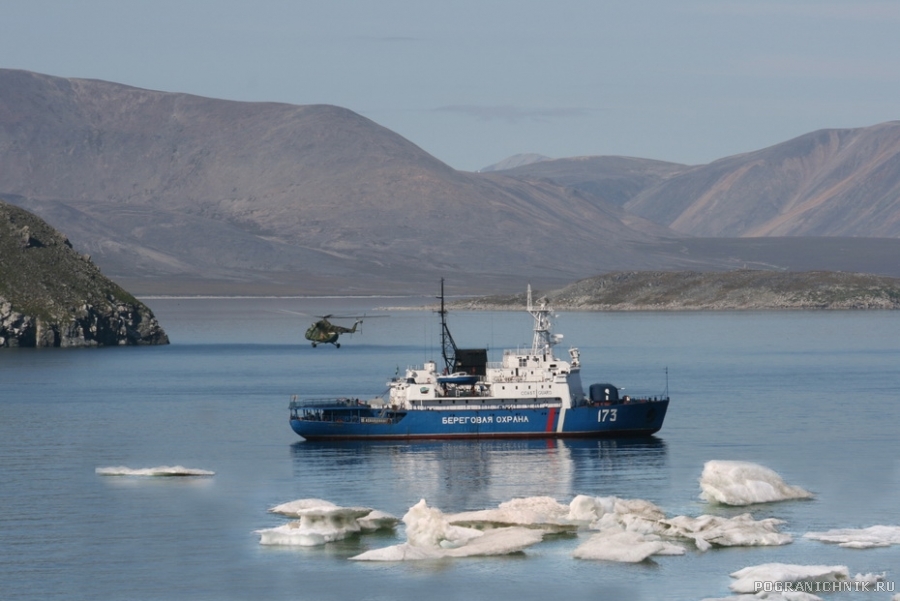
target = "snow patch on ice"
x: 745, y: 483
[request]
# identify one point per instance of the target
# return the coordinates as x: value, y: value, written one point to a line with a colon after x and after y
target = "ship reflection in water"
x: 463, y: 475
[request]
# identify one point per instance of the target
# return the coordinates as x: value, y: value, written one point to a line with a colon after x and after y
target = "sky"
x: 473, y: 82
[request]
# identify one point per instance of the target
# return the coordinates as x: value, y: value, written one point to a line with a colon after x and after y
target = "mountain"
x: 835, y: 182
x: 607, y: 178
x: 517, y: 160
x: 178, y: 188
x: 174, y: 193
x: 52, y: 296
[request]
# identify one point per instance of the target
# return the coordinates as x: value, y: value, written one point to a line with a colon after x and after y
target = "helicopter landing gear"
x: 314, y: 345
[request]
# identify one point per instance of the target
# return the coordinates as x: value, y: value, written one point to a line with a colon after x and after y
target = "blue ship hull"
x: 347, y: 421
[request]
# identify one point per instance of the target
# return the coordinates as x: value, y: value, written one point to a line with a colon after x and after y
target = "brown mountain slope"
x: 177, y: 193
x: 162, y: 185
x: 827, y: 183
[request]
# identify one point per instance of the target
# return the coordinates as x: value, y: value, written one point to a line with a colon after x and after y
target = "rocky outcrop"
x: 115, y: 324
x: 51, y: 296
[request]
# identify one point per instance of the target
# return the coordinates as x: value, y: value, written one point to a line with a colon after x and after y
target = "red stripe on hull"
x: 551, y: 420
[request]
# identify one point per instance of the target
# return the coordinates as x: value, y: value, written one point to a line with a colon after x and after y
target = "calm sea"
x: 814, y: 396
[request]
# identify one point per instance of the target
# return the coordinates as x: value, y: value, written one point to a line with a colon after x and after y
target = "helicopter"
x: 324, y: 332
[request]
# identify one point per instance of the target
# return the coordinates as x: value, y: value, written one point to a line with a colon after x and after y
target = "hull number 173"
x: 606, y: 415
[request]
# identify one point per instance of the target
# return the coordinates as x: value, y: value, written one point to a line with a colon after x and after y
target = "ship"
x: 530, y: 393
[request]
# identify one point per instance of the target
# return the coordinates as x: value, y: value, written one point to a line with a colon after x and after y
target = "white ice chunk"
x: 293, y: 509
x: 628, y: 529
x: 163, y: 470
x: 319, y: 522
x: 431, y: 536
x: 624, y: 546
x: 543, y: 513
x: 301, y: 535
x: 862, y: 538
x: 750, y: 578
x: 745, y: 483
x: 377, y: 520
x: 602, y: 513
x: 741, y: 530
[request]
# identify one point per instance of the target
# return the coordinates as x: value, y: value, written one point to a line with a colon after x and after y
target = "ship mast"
x: 543, y: 340
x: 448, y: 346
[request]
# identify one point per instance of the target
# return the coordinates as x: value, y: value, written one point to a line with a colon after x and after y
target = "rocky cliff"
x: 52, y: 296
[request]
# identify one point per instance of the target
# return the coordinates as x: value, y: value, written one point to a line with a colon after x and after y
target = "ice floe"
x: 625, y: 546
x: 622, y: 530
x: 542, y: 513
x: 319, y: 522
x: 431, y: 536
x: 738, y: 531
x: 611, y: 515
x: 809, y: 579
x: 745, y: 483
x: 163, y: 470
x: 859, y: 538
x: 629, y: 530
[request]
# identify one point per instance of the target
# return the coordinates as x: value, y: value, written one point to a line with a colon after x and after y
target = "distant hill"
x: 734, y: 290
x: 52, y: 296
x: 169, y: 186
x: 836, y: 182
x: 840, y: 182
x: 173, y: 193
x: 517, y: 160
x: 610, y: 178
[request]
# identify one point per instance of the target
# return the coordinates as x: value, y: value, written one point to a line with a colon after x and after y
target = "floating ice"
x: 752, y: 579
x: 741, y: 530
x: 543, y: 513
x: 601, y: 513
x: 744, y: 483
x: 863, y: 538
x: 164, y: 470
x: 377, y: 520
x: 431, y: 536
x: 321, y: 522
x: 294, y: 509
x: 628, y: 529
x: 611, y: 515
x: 625, y: 546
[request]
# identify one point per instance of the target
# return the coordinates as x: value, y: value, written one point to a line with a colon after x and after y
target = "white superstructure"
x: 524, y: 378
